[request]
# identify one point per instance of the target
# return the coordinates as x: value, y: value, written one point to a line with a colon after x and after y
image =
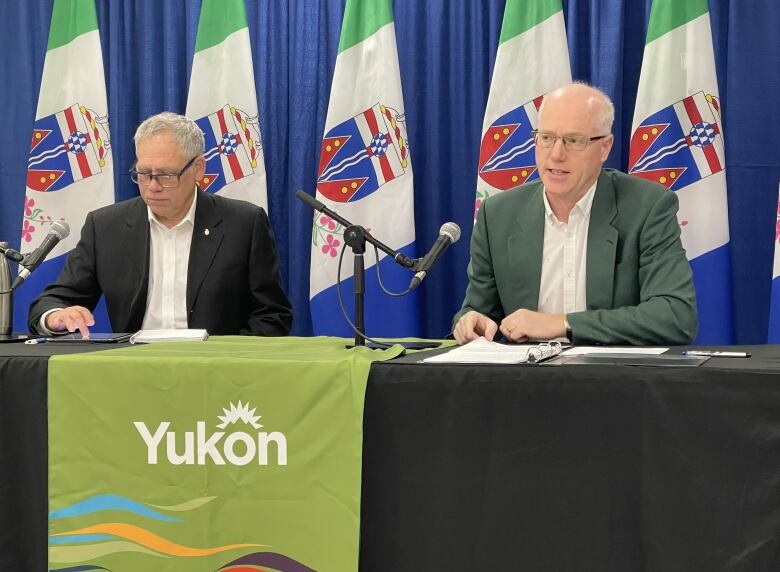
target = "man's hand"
x: 71, y: 319
x: 473, y: 325
x: 523, y: 324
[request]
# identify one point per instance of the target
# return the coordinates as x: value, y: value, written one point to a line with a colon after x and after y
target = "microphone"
x: 59, y: 230
x: 10, y: 253
x: 449, y: 233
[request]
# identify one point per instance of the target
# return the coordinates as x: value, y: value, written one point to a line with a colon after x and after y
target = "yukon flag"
x: 223, y: 103
x: 677, y: 141
x: 69, y: 172
x: 532, y: 60
x: 365, y: 175
x: 774, y: 304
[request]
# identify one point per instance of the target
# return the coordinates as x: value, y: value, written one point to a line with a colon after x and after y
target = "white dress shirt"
x: 169, y: 257
x: 564, y: 256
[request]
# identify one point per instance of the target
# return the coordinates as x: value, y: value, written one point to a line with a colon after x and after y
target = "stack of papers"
x: 596, y: 350
x: 484, y: 351
x: 149, y: 336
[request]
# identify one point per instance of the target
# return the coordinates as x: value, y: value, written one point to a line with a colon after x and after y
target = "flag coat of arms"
x: 365, y: 175
x: 70, y: 169
x: 223, y: 102
x: 532, y: 60
x: 677, y: 141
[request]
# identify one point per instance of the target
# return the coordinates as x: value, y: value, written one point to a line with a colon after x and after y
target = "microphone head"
x: 451, y: 230
x: 60, y: 229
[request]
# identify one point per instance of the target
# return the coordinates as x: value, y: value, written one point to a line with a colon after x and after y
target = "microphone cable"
x: 383, y: 345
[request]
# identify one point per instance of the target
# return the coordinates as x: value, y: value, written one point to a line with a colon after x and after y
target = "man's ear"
x: 606, y: 147
x: 200, y: 168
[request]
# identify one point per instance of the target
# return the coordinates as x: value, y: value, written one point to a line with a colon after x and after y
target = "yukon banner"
x: 233, y: 454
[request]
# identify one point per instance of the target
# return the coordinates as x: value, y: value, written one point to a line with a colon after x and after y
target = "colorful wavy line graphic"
x: 276, y: 561
x: 83, y: 553
x: 79, y: 538
x: 150, y: 540
x: 187, y: 505
x: 81, y: 568
x: 115, y: 502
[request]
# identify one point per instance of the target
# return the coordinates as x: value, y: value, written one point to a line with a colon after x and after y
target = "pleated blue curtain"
x: 446, y: 52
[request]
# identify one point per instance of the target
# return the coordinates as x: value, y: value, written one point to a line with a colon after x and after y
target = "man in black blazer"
x: 175, y: 257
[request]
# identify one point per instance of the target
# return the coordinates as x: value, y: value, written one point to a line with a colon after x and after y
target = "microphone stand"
x: 6, y: 296
x: 355, y: 237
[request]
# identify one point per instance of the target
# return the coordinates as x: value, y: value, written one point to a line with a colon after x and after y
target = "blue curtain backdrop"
x: 446, y: 51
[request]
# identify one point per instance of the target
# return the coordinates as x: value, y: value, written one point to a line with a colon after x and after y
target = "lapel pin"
x: 206, y: 231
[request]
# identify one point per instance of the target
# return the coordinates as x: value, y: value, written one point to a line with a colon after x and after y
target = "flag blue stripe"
x: 385, y: 316
x: 711, y: 272
x: 773, y: 336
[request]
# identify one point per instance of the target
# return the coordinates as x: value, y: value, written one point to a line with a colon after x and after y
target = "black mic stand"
x: 7, y: 296
x: 355, y: 238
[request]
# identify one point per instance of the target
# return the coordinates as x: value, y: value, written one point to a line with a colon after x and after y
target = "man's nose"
x: 154, y: 185
x: 558, y: 150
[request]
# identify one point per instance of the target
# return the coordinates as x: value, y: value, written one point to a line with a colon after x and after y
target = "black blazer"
x: 233, y: 281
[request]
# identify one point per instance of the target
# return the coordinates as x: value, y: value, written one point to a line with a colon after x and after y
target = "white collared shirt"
x: 169, y: 257
x: 564, y: 257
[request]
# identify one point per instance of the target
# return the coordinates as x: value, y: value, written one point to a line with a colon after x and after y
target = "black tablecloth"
x: 592, y: 468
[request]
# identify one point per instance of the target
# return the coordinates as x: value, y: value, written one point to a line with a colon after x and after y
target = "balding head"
x: 593, y: 101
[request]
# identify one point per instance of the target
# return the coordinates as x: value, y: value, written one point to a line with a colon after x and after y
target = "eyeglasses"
x: 570, y: 142
x: 167, y: 180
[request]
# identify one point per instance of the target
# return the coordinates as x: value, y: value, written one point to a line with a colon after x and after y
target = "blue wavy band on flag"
x: 66, y: 147
x: 361, y: 154
x: 385, y: 316
x: 678, y: 145
x: 506, y: 155
x: 232, y: 141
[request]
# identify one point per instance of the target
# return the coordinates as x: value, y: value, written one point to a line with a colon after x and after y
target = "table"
x: 608, y: 468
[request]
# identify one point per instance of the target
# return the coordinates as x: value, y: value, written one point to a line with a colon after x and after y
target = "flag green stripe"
x: 219, y: 19
x: 362, y: 18
x: 666, y: 15
x: 70, y: 19
x: 522, y: 15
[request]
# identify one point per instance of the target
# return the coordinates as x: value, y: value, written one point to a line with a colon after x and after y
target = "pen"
x: 715, y: 354
x: 35, y: 341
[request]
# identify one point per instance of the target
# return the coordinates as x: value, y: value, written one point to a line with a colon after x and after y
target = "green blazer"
x: 639, y: 286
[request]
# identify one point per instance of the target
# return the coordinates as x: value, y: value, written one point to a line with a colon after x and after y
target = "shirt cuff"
x: 42, y: 324
x: 566, y: 325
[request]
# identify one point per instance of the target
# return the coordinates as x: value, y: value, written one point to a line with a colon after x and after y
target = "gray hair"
x: 186, y: 132
x: 606, y: 111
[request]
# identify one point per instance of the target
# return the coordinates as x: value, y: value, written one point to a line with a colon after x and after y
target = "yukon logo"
x: 200, y: 447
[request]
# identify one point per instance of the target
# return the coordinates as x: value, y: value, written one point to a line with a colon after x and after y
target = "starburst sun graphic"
x: 239, y: 412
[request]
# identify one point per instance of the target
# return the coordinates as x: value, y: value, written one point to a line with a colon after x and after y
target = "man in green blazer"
x: 587, y: 253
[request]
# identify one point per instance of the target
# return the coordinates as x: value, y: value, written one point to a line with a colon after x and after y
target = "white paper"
x: 482, y: 351
x: 590, y: 350
x: 172, y: 335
